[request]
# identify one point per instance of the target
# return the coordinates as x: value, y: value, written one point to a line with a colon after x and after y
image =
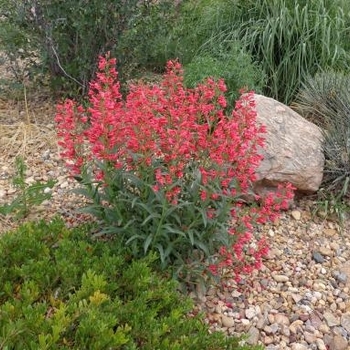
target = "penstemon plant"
x: 166, y: 170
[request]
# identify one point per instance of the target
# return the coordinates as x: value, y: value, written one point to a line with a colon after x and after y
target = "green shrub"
x: 144, y: 44
x: 69, y: 35
x: 231, y: 63
x: 199, y: 21
x: 325, y: 100
x: 293, y: 39
x: 60, y: 289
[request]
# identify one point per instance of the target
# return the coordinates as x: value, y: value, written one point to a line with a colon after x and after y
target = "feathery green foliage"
x: 60, y: 289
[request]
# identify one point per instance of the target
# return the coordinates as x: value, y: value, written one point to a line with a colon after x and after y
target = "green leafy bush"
x: 325, y: 100
x: 144, y: 45
x: 231, y: 63
x: 293, y: 39
x: 200, y: 21
x: 68, y: 35
x: 61, y: 289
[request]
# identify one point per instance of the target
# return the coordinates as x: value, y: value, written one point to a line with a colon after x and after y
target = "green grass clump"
x: 60, y: 289
x: 325, y: 100
x: 292, y: 39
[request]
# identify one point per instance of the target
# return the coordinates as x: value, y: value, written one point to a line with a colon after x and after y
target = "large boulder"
x: 293, y: 148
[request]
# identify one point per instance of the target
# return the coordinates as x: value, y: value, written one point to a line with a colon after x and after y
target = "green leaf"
x: 147, y: 243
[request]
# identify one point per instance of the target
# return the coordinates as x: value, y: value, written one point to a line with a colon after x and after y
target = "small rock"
x: 299, y: 346
x: 253, y: 336
x: 296, y: 214
x: 11, y: 190
x: 330, y: 232
x: 323, y: 328
x: 296, y: 326
x: 227, y: 321
x: 339, y: 331
x: 296, y: 297
x: 282, y: 319
x: 315, y: 320
x: 318, y: 257
x: 46, y: 155
x: 47, y: 190
x: 310, y: 337
x: 319, y: 286
x: 250, y: 313
x: 245, y: 322
x: 320, y: 344
x: 331, y: 320
x: 345, y: 321
x: 261, y: 323
x: 338, y: 343
x: 268, y: 340
x: 280, y: 278
x: 274, y: 328
x: 64, y: 184
x: 326, y: 251
x: 340, y: 276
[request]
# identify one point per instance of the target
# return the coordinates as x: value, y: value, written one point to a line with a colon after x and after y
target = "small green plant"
x: 63, y: 289
x: 28, y: 196
x: 333, y: 206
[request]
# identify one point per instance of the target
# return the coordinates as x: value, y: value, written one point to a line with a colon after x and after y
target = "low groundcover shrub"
x: 59, y: 289
x: 166, y: 170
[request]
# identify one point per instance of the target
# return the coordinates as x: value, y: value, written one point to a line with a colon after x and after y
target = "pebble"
x: 345, y: 321
x: 250, y: 313
x: 318, y: 257
x: 280, y: 278
x: 253, y: 336
x: 320, y: 344
x: 331, y: 320
x: 338, y: 343
x: 298, y: 346
x: 227, y: 321
x: 326, y: 251
x: 296, y: 214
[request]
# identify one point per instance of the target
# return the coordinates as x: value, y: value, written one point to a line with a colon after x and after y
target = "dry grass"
x: 26, y: 125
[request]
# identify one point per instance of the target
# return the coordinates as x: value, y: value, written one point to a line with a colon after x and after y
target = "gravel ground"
x: 300, y: 298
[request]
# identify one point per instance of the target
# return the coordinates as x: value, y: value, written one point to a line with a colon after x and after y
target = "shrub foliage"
x: 60, y: 289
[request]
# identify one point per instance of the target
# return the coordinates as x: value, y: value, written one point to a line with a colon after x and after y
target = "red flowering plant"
x: 167, y: 170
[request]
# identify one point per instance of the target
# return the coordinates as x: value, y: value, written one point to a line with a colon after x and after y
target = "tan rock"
x: 282, y: 320
x: 293, y: 147
x: 296, y: 214
x: 296, y: 326
x: 227, y: 321
x: 280, y: 278
x: 338, y: 343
